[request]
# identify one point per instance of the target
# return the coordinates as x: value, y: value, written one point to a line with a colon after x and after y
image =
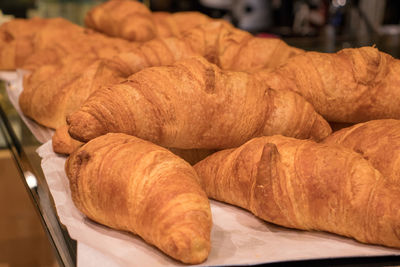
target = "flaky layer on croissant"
x: 52, y: 92
x: 216, y: 40
x: 132, y: 185
x: 50, y: 41
x: 353, y: 85
x: 16, y: 42
x: 219, y: 43
x: 378, y: 141
x: 234, y: 49
x: 126, y: 19
x: 306, y: 185
x: 133, y: 21
x: 49, y: 101
x: 194, y: 104
x: 77, y: 41
x: 63, y: 143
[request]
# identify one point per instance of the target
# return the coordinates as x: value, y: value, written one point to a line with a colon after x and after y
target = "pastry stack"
x: 160, y: 112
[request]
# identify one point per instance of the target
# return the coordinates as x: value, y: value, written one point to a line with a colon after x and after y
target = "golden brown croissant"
x: 353, y: 85
x: 49, y: 102
x: 50, y: 41
x: 306, y: 185
x: 58, y: 40
x: 158, y: 52
x: 126, y: 19
x: 234, y: 49
x: 378, y: 141
x: 16, y: 41
x: 131, y: 20
x: 216, y: 40
x: 52, y: 92
x: 194, y: 104
x: 132, y: 185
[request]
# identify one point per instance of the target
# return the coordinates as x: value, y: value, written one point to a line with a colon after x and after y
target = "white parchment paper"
x: 238, y: 237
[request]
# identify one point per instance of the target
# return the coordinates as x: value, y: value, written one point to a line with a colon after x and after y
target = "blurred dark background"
x: 322, y: 25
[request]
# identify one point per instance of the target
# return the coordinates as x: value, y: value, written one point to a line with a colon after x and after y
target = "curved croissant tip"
x: 320, y: 129
x: 194, y: 251
x: 84, y: 127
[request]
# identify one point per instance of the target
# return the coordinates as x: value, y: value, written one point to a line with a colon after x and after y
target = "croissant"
x: 194, y: 104
x: 214, y: 39
x: 378, y: 141
x: 219, y: 43
x: 50, y: 41
x: 234, y: 49
x: 133, y: 21
x: 126, y: 19
x: 76, y: 41
x: 16, y: 41
x: 49, y: 102
x: 132, y: 185
x: 306, y: 185
x: 51, y: 92
x: 158, y: 52
x: 351, y: 86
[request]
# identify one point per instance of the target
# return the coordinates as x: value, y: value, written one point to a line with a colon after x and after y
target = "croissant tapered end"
x: 133, y: 185
x: 63, y: 143
x: 84, y: 127
x: 195, y: 250
x: 320, y: 129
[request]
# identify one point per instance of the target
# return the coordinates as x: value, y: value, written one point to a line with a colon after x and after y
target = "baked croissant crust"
x: 130, y: 20
x: 51, y: 92
x: 63, y: 143
x: 234, y: 49
x: 217, y: 40
x: 49, y: 101
x: 133, y: 21
x: 353, y: 85
x: 306, y: 185
x: 76, y: 41
x: 50, y: 41
x: 132, y: 185
x: 378, y: 141
x: 16, y: 42
x: 194, y: 104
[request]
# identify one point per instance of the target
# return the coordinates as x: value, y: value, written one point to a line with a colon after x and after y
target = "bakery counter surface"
x: 20, y: 141
x: 23, y: 145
